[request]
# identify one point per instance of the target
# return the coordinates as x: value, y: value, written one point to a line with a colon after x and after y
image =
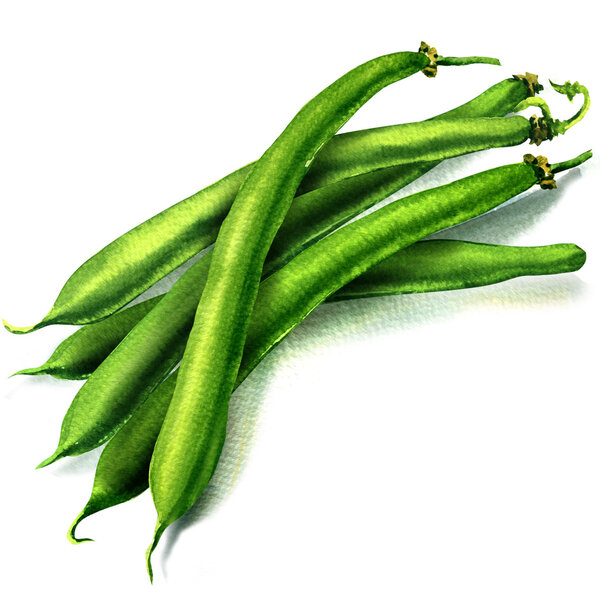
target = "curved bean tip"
x: 71, y: 533
x: 160, y: 528
x: 19, y: 330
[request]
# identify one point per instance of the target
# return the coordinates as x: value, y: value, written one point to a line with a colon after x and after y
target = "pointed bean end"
x: 30, y: 371
x: 20, y: 330
x: 78, y: 541
x: 58, y: 454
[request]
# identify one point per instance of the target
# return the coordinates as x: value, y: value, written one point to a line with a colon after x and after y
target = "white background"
x: 434, y: 446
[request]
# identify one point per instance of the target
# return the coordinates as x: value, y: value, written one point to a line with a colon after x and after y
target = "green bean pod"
x: 155, y: 345
x: 142, y: 256
x: 78, y: 356
x: 438, y: 265
x: 311, y: 216
x: 435, y: 265
x: 216, y: 341
x: 416, y: 142
x: 193, y: 432
x: 136, y: 260
x: 150, y: 351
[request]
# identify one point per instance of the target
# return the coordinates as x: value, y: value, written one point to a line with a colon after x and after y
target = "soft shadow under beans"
x: 511, y: 220
x: 357, y: 319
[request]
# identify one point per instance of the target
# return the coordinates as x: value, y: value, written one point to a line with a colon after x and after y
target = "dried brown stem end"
x: 540, y: 130
x: 531, y: 81
x: 431, y: 53
x: 543, y: 170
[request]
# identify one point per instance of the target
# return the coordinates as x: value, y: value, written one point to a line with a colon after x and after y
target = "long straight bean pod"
x: 139, y: 258
x: 309, y: 217
x: 193, y: 432
x: 133, y: 262
x: 435, y: 265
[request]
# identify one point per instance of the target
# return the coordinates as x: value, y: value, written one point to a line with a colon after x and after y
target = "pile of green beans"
x: 160, y: 373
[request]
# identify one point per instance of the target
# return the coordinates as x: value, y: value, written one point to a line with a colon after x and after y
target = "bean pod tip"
x: 71, y: 532
x: 18, y: 330
x: 57, y: 454
x: 28, y: 371
x: 160, y: 528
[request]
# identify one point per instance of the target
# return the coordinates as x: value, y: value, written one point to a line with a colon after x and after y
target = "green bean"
x: 150, y: 350
x: 81, y: 353
x: 193, y: 432
x: 432, y: 140
x: 367, y: 150
x: 133, y: 262
x: 435, y: 265
x: 310, y: 217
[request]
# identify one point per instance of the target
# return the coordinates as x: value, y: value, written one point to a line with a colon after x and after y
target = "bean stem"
x: 573, y: 162
x: 466, y: 60
x: 558, y: 127
x: 571, y: 90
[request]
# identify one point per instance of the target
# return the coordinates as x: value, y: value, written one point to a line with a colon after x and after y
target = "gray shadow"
x: 332, y: 324
x: 339, y: 322
x: 507, y: 222
x: 77, y: 465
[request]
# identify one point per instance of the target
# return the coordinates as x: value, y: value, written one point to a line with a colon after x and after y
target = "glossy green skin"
x: 423, y: 141
x: 185, y: 454
x: 312, y: 216
x: 108, y: 281
x: 292, y: 293
x: 436, y: 265
x: 439, y: 265
x: 190, y: 441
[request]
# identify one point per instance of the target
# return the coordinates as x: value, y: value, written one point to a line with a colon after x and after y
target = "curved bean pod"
x: 142, y: 256
x: 193, y: 432
x: 151, y: 350
x: 435, y: 265
x: 309, y: 217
